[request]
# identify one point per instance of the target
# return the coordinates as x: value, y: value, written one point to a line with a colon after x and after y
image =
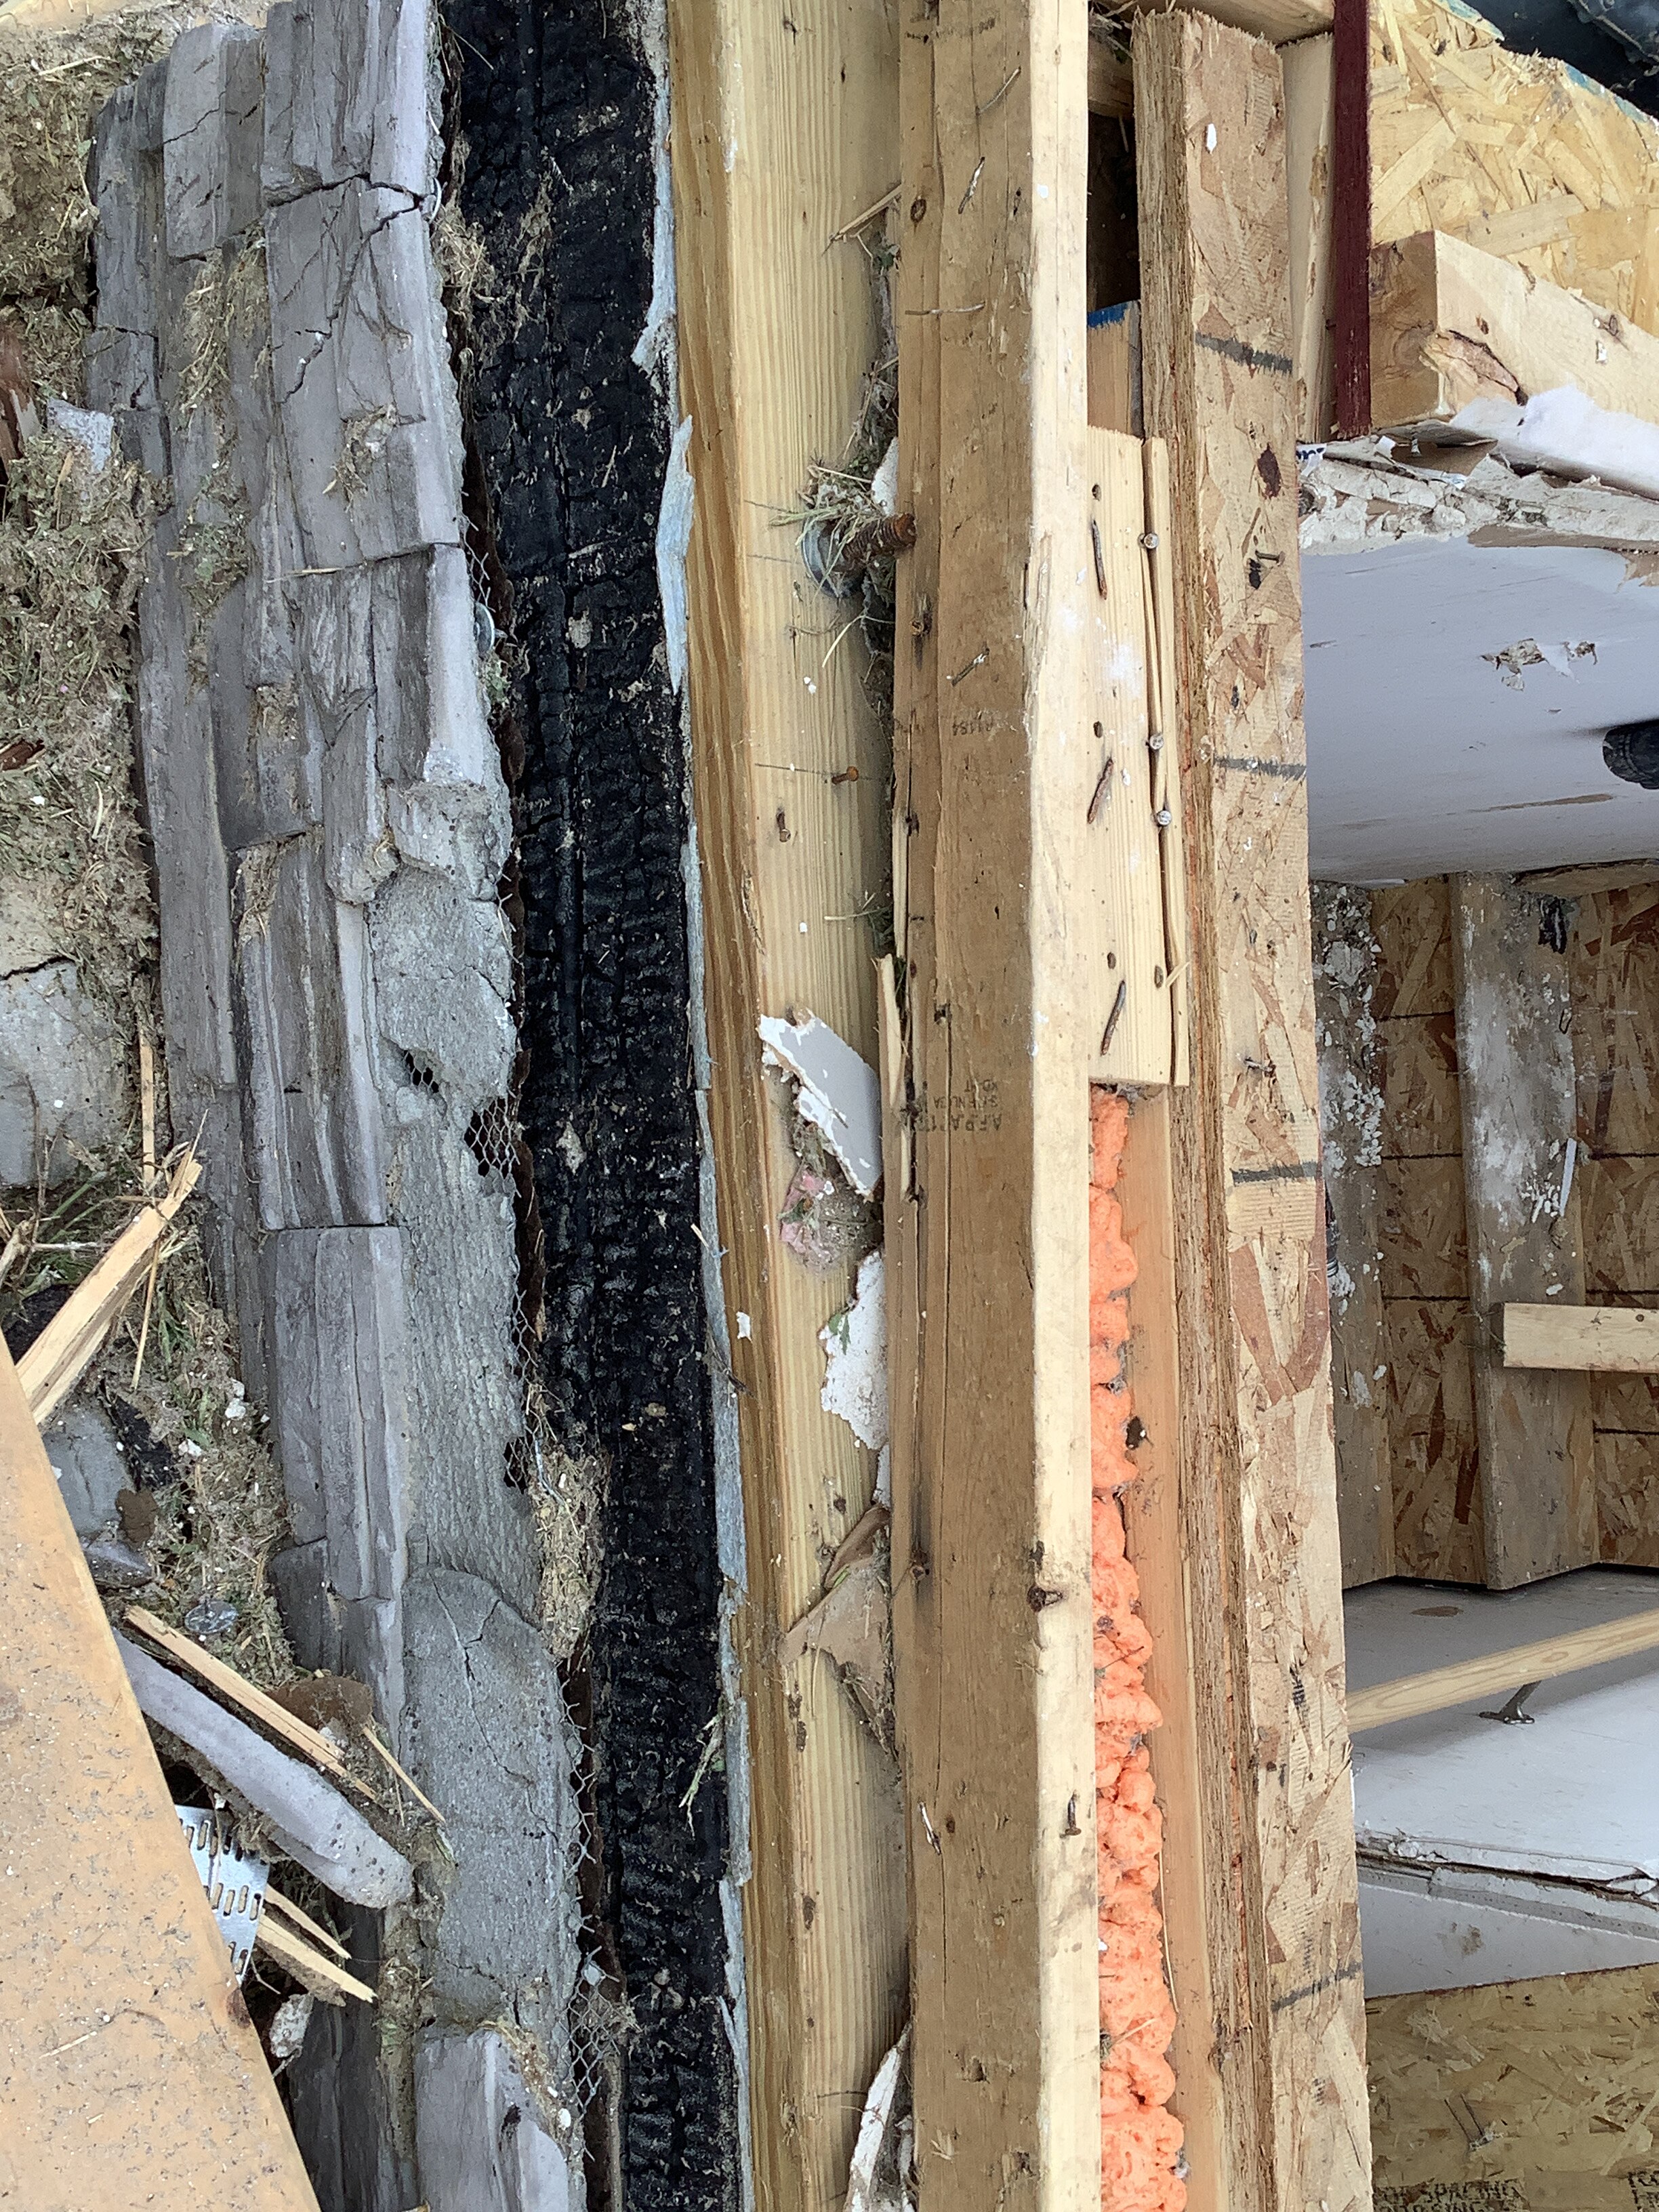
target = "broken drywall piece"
x: 1566, y: 433
x: 309, y: 1820
x: 840, y: 1092
x: 881, y: 2177
x: 883, y: 485
x: 673, y: 542
x: 855, y: 1351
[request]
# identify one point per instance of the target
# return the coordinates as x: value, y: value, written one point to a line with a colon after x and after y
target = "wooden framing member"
x: 783, y: 160
x: 987, y: 1223
x: 1594, y: 1340
x: 1258, y: 1499
x: 1437, y: 1691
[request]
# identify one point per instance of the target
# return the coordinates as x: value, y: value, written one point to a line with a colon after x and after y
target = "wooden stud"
x: 784, y: 126
x: 1309, y: 108
x: 1496, y: 1672
x: 986, y: 1246
x: 132, y: 2062
x: 1605, y: 1340
x: 1516, y: 1092
x: 1259, y: 1497
x: 1115, y: 369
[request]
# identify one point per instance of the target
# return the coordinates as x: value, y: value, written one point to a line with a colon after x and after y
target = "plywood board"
x: 777, y: 327
x: 1424, y: 1234
x: 1434, y: 1456
x: 1521, y: 156
x: 1417, y: 1066
x: 1516, y: 1087
x: 1411, y: 924
x: 1614, y: 954
x: 1258, y: 1487
x: 1627, y: 1498
x: 1451, y: 325
x: 132, y: 2067
x: 1552, y: 2085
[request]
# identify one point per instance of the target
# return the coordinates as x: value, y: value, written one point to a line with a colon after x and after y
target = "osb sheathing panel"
x: 1426, y: 1245
x: 1431, y: 1442
x: 1521, y: 156
x: 1628, y: 1402
x: 1517, y: 2083
x: 1615, y: 951
x: 1417, y: 1065
x: 1628, y: 1502
x: 1411, y: 924
x: 1618, y: 1214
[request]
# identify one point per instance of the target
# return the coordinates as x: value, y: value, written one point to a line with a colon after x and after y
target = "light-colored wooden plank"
x: 1278, y: 22
x: 1516, y: 1085
x: 1426, y: 1241
x: 1309, y: 103
x: 253, y: 1701
x: 277, y: 1902
x: 1156, y: 1541
x: 1115, y: 369
x: 322, y: 1975
x: 1438, y: 1533
x: 1498, y: 1672
x: 1351, y: 1128
x: 1452, y: 325
x: 1129, y: 892
x: 1259, y: 1492
x: 1609, y: 1340
x: 131, y: 2064
x: 987, y: 1248
x: 784, y: 124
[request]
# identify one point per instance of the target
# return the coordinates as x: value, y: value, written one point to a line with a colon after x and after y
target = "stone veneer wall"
x: 331, y: 827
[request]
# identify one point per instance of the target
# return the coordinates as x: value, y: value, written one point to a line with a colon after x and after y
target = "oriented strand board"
x: 1257, y: 1481
x: 1417, y: 1066
x: 1613, y: 951
x: 1619, y: 1209
x: 1424, y: 1233
x: 1435, y: 1465
x: 1552, y: 2084
x: 1627, y: 1498
x: 1521, y: 156
x: 1411, y: 923
x: 1625, y: 1402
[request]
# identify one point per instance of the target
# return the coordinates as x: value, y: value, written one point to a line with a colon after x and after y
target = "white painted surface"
x: 1493, y: 1852
x: 1422, y: 758
x: 1466, y: 1931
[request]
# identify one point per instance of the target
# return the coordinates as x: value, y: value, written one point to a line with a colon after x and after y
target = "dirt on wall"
x: 553, y: 148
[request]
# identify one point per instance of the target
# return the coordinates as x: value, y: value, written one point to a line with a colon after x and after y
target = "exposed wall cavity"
x: 561, y: 184
x: 330, y: 830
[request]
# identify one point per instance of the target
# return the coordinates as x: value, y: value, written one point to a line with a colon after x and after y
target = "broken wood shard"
x: 252, y: 1700
x: 319, y: 1973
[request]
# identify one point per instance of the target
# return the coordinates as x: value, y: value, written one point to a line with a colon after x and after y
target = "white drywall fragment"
x: 874, y: 2183
x: 84, y: 427
x: 839, y: 1093
x: 673, y: 540
x: 855, y: 1351
x: 309, y: 1819
x: 883, y: 485
x: 1568, y: 434
x: 885, y: 1478
x: 483, y: 2140
x: 746, y: 1324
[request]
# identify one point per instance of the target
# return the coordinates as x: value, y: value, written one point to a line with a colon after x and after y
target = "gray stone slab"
x: 483, y: 2145
x: 302, y: 969
x: 62, y: 1083
x: 212, y: 128
x: 309, y: 1820
x: 309, y: 1614
x: 86, y: 1457
x: 360, y: 366
x: 349, y: 2096
x: 349, y: 92
x: 443, y: 977
x: 336, y: 694
x: 127, y: 189
x: 488, y: 1739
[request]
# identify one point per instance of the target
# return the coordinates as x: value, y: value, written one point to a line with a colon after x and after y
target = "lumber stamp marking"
x: 1517, y: 1088
x: 1258, y: 1486
x: 987, y: 1235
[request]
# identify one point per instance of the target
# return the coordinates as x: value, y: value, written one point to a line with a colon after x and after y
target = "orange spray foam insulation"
x: 1141, y: 2167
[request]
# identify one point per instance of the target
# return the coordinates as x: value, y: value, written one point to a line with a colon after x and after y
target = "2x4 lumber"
x: 1593, y: 1339
x: 1451, y: 324
x: 1309, y: 114
x: 1278, y: 22
x: 1516, y: 1089
x: 987, y: 1241
x: 1497, y: 1672
x: 1257, y: 1481
x: 783, y: 130
x: 132, y: 2062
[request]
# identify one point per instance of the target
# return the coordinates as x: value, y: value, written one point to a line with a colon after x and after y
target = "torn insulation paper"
x: 839, y: 1093
x: 855, y: 1352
